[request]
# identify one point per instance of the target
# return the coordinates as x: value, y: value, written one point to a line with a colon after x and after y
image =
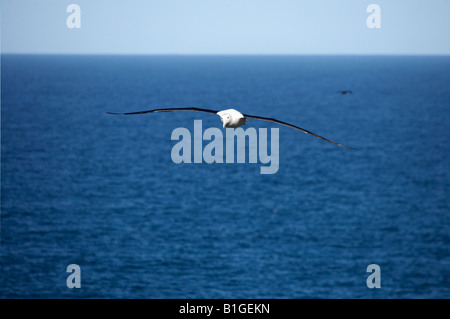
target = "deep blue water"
x: 79, y: 186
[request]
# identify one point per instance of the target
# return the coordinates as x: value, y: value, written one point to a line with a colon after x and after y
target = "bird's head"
x: 225, y: 118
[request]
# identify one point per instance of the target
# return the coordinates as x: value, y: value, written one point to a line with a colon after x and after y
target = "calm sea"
x: 80, y: 186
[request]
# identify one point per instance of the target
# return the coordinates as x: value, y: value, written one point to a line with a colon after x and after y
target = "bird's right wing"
x: 196, y: 109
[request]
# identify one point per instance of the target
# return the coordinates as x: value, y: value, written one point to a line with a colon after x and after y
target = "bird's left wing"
x: 295, y: 127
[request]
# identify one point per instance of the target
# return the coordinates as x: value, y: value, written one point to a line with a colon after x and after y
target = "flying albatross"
x: 232, y: 118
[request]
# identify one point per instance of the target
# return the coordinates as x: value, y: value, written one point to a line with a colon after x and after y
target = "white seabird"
x: 233, y: 118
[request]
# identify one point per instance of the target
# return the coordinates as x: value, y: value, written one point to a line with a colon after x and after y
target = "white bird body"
x: 232, y: 118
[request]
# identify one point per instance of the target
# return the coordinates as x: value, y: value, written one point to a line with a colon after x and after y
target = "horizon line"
x: 226, y: 54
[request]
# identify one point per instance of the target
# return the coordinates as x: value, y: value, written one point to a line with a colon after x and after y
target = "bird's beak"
x: 223, y: 121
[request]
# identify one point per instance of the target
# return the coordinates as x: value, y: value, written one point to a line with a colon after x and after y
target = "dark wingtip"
x: 342, y: 145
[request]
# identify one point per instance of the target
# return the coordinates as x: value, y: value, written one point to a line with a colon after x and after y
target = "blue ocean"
x: 80, y: 186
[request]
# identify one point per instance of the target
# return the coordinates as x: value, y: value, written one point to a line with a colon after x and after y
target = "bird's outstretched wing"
x: 295, y: 127
x: 169, y: 110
